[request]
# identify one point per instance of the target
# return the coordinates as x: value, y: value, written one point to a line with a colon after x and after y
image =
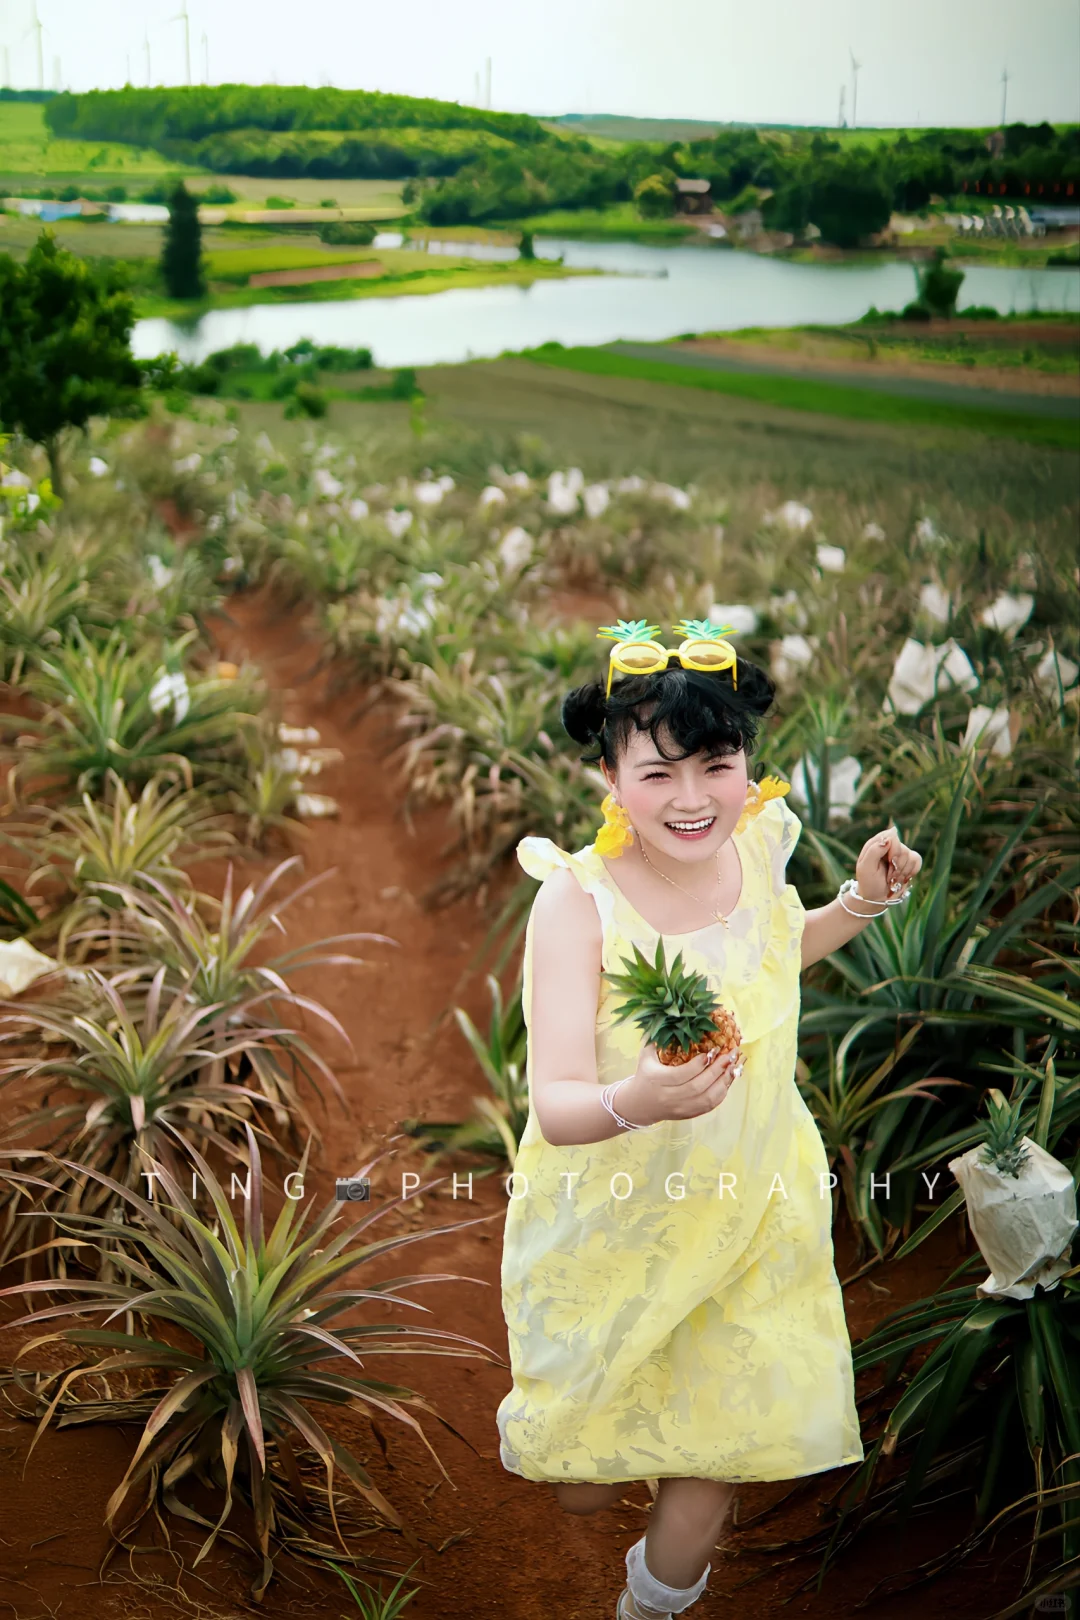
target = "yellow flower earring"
x: 758, y: 795
x: 616, y: 835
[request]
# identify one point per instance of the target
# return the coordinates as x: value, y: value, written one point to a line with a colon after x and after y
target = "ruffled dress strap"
x: 539, y: 857
x: 779, y: 828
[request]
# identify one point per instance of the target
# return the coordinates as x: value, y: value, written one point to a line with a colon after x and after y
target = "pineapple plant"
x: 673, y: 1007
x: 1004, y: 1145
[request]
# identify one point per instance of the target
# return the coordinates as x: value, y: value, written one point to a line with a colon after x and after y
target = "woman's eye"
x: 719, y: 768
x: 656, y: 776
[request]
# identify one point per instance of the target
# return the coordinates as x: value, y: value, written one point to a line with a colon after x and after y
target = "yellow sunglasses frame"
x: 657, y: 657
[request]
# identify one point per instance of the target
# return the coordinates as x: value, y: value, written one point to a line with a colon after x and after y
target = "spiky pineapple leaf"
x: 671, y: 1006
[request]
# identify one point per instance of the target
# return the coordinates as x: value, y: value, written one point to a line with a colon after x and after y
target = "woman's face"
x: 685, y: 808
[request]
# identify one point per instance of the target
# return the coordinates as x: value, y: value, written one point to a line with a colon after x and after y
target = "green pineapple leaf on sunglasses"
x: 701, y: 630
x: 629, y: 630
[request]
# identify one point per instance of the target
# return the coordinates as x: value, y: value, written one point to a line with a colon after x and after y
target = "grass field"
x: 621, y: 220
x: 29, y: 157
x: 252, y: 191
x: 495, y: 410
x: 1010, y: 344
x: 27, y: 153
x: 233, y: 254
x: 822, y: 398
x: 412, y: 274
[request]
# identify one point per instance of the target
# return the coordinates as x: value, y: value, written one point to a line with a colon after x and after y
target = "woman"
x: 668, y: 1279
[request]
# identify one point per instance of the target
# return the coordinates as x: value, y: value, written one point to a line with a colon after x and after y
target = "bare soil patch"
x: 363, y: 269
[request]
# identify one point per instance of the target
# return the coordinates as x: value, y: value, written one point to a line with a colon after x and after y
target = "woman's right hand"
x: 679, y: 1090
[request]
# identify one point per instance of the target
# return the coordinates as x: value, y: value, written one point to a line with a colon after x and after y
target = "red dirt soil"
x: 495, y: 1546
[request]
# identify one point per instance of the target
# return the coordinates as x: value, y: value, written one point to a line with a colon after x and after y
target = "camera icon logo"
x: 352, y: 1190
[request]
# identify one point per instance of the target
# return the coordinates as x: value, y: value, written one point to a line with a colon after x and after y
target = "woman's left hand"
x: 886, y: 866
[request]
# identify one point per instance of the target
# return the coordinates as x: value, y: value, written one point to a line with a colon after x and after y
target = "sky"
x: 923, y: 62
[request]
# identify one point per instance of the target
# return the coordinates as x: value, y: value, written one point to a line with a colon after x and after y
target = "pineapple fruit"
x: 674, y: 1008
x: 1004, y: 1147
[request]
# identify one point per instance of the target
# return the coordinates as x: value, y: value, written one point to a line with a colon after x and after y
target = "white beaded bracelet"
x: 606, y: 1096
x: 851, y: 886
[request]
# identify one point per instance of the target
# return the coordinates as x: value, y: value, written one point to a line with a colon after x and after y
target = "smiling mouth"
x: 691, y: 829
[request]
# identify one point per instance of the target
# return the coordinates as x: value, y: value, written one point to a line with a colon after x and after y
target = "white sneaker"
x: 630, y: 1609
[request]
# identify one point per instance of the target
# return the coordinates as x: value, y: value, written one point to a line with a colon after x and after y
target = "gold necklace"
x: 718, y: 914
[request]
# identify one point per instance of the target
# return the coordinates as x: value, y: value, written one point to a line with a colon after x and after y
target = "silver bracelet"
x: 606, y: 1096
x: 851, y: 886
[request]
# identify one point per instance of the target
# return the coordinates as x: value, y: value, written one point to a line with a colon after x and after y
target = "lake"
x: 649, y: 293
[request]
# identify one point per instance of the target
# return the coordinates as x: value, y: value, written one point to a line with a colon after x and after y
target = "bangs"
x: 683, y: 711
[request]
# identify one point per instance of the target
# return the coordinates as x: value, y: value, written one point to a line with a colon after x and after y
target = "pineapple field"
x: 280, y: 701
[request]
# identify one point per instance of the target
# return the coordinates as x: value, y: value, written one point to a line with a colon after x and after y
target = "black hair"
x: 698, y: 710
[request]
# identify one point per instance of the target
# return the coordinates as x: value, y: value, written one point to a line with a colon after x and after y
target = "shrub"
x: 351, y: 232
x: 129, y: 1059
x: 938, y: 284
x: 404, y: 384
x: 134, y: 712
x: 655, y: 196
x: 307, y: 400
x: 121, y: 840
x: 260, y: 1314
x: 215, y: 964
x: 218, y: 193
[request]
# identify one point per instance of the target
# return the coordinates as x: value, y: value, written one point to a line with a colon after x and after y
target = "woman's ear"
x: 608, y: 774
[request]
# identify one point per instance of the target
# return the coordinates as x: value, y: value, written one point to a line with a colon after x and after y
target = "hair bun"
x: 584, y: 711
x: 756, y: 688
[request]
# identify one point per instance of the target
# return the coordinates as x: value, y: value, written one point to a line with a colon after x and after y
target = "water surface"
x: 648, y: 293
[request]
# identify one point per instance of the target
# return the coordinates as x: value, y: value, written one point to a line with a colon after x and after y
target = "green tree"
x: 65, y: 352
x: 655, y: 196
x: 526, y: 247
x: 939, y: 285
x: 181, y: 251
x: 846, y: 200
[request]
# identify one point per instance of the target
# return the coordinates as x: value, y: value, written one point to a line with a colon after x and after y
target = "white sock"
x: 645, y: 1587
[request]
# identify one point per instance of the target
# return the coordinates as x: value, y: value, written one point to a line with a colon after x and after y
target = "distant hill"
x: 293, y: 130
x: 613, y: 127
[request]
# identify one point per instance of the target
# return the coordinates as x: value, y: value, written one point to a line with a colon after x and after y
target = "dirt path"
x: 497, y: 1547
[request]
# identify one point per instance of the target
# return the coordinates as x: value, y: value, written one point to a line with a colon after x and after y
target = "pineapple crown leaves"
x: 702, y: 630
x: 1003, y: 1146
x: 628, y: 630
x: 671, y: 1006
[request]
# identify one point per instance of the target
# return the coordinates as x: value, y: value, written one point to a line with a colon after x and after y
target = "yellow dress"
x: 663, y: 1321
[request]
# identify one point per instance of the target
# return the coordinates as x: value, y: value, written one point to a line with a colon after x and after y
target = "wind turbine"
x: 35, y: 28
x: 206, y: 59
x: 1004, y: 93
x: 146, y: 48
x: 182, y: 16
x: 855, y: 66
x: 840, y: 115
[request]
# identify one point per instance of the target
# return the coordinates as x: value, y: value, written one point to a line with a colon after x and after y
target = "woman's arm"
x: 567, y: 942
x: 883, y: 860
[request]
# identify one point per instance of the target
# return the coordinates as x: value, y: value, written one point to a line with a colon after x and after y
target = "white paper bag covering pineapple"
x: 1021, y: 1205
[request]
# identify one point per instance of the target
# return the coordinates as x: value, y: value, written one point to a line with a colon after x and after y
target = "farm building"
x: 695, y: 196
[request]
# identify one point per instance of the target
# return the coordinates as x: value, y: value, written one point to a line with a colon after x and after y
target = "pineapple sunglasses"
x: 636, y: 653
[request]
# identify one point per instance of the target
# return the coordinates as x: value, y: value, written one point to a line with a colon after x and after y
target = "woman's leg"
x: 588, y: 1498
x: 684, y: 1526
